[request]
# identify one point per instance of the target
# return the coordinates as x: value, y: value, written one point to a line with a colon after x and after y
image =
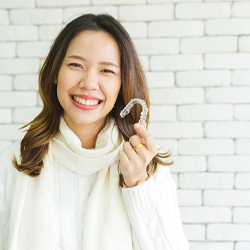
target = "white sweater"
x: 152, y: 225
x: 152, y: 207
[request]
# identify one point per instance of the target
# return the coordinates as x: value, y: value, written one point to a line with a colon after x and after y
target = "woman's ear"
x: 55, y: 81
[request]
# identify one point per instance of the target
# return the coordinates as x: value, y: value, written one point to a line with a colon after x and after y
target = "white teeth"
x: 87, y: 102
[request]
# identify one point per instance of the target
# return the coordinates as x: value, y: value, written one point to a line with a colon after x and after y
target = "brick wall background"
x: 197, y: 58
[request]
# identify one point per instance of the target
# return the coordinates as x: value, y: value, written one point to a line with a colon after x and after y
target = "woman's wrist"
x: 135, y: 181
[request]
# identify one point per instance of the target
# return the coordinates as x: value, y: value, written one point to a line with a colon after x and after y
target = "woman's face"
x: 89, y: 79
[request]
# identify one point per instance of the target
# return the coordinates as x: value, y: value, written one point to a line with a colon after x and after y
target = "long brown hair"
x: 35, y: 144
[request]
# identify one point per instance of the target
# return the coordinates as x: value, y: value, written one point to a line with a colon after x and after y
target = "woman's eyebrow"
x: 77, y: 57
x: 109, y: 63
x: 102, y: 63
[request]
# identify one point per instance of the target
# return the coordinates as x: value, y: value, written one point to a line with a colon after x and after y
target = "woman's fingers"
x: 147, y: 138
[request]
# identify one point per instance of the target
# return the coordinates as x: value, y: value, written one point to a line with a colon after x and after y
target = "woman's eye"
x: 107, y: 71
x: 76, y: 65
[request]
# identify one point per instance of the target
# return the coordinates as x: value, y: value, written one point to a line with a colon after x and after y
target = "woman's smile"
x: 86, y: 102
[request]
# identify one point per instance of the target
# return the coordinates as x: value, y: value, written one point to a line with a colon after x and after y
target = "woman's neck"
x: 87, y: 133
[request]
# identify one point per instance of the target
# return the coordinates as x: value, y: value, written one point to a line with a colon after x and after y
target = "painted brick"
x: 175, y: 178
x: 195, y: 232
x: 4, y: 144
x: 18, y: 99
x: 206, y: 180
x: 162, y: 113
x: 170, y: 1
x: 4, y: 17
x: 17, y: 4
x: 5, y: 82
x: 241, y: 9
x: 157, y: 46
x: 242, y: 246
x: 202, y: 10
x: 244, y: 43
x: 231, y: 129
x: 5, y: 115
x: 72, y: 13
x: 176, y: 62
x: 241, y: 77
x: 241, y: 215
x: 242, y: 146
x: 146, y: 12
x: 226, y: 0
x: 108, y: 2
x: 177, y: 96
x: 230, y: 163
x: 230, y: 232
x: 18, y: 33
x: 232, y: 26
x: 206, y: 147
x: 242, y: 181
x: 203, y: 78
x: 145, y: 62
x: 25, y: 115
x: 11, y: 132
x: 189, y: 164
x: 40, y: 102
x: 19, y: 66
x: 33, y: 49
x: 228, y: 95
x: 189, y: 198
x: 211, y: 245
x: 208, y: 45
x: 176, y: 130
x: 226, y: 198
x: 160, y: 79
x: 49, y: 32
x: 242, y: 112
x: 26, y: 82
x: 176, y: 28
x: 205, y: 214
x: 205, y: 112
x: 36, y: 16
x: 7, y: 50
x: 227, y: 61
x: 136, y: 29
x: 61, y: 3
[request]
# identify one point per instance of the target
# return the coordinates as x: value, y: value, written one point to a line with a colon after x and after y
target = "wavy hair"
x: 40, y: 131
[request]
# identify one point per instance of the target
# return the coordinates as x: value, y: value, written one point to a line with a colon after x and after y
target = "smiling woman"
x: 89, y: 179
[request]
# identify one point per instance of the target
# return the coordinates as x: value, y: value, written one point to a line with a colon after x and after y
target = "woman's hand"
x: 134, y: 161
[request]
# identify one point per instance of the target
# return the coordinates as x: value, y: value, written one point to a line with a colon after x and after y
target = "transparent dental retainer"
x: 130, y: 105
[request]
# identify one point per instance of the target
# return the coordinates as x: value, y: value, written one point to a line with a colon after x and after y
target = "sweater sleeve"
x: 153, y: 211
x: 7, y: 180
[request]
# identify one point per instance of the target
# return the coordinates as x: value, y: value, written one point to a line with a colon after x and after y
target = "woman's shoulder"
x: 162, y: 174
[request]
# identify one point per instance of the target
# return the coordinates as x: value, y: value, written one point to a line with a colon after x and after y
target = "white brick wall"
x: 196, y: 54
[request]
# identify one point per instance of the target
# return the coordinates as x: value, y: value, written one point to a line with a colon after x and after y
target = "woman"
x: 88, y: 179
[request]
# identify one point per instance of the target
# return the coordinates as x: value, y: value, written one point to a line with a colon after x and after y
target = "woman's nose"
x: 89, y: 81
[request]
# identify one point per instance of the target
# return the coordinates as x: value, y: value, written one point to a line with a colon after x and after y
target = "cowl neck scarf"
x: 106, y: 224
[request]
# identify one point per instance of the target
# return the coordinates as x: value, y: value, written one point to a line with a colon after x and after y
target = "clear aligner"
x: 132, y: 102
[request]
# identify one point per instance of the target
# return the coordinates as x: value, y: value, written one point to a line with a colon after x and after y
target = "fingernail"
x: 137, y: 126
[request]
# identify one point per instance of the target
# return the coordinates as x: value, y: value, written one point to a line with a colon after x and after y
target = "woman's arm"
x: 154, y: 214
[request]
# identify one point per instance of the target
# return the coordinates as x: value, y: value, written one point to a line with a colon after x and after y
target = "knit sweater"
x: 151, y: 207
